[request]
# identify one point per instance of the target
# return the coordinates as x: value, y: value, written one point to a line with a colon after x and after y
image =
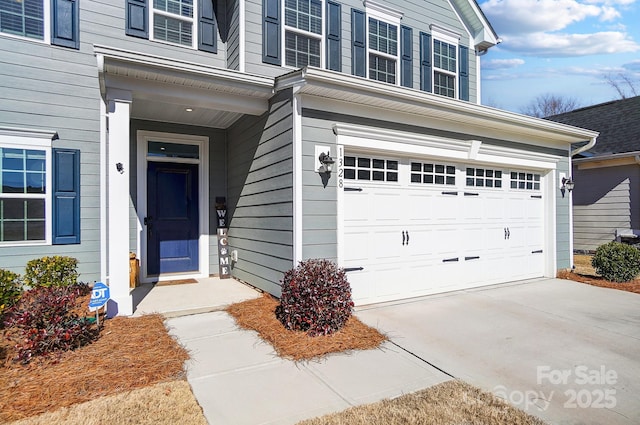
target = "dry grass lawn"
x: 449, y: 403
x: 166, y: 403
x: 585, y: 273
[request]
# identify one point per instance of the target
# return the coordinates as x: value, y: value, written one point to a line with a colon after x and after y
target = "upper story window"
x: 49, y: 21
x: 24, y: 18
x: 383, y: 51
x: 445, y: 62
x: 186, y: 23
x: 383, y: 25
x: 444, y: 68
x: 172, y: 21
x: 303, y: 32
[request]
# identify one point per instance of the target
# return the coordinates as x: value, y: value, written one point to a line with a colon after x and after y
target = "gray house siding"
x: 417, y: 15
x: 103, y: 23
x: 260, y: 194
x: 319, y: 221
x: 233, y: 35
x: 610, y: 201
x: 55, y: 89
x: 563, y: 227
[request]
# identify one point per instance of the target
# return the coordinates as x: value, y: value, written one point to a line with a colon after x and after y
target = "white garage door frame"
x: 369, y: 140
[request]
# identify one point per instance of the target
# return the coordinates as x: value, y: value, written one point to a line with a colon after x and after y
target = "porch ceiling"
x: 167, y: 90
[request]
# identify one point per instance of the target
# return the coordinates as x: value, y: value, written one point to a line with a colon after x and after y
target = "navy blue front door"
x: 172, y: 218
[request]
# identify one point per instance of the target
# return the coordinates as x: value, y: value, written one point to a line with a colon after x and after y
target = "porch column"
x: 118, y: 175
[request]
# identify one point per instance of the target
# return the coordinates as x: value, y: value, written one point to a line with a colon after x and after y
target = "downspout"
x: 584, y: 148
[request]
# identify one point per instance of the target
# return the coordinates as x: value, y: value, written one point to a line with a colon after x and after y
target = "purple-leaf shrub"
x: 316, y: 298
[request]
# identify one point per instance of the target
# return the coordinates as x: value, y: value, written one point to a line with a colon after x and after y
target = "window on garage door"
x: 371, y: 169
x: 522, y: 180
x: 431, y: 173
x: 484, y: 177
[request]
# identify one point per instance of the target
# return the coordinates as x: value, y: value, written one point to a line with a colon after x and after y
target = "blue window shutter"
x: 271, y: 32
x: 359, y: 43
x: 66, y: 196
x: 464, y: 72
x: 426, y: 70
x: 65, y: 25
x: 406, y: 59
x: 334, y: 29
x: 137, y: 19
x: 207, y: 28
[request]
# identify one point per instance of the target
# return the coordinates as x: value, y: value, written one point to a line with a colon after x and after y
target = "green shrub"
x: 316, y: 298
x: 10, y: 289
x: 46, y: 321
x: 51, y: 271
x: 617, y: 262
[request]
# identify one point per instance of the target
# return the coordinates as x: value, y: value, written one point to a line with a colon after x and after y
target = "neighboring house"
x: 134, y: 125
x: 606, y: 198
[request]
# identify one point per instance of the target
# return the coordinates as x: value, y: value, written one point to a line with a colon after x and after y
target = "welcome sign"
x: 223, y: 245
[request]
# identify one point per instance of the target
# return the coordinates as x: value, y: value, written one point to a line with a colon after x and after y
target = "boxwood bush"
x: 316, y: 298
x: 617, y: 262
x: 10, y: 290
x: 51, y: 271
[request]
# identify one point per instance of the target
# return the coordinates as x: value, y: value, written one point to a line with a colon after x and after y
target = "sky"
x: 565, y: 48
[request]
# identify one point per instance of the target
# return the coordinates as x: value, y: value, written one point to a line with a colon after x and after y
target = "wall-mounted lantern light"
x: 327, y: 163
x: 567, y: 185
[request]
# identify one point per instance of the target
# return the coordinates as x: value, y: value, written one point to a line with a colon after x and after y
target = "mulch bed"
x: 259, y: 315
x: 130, y: 353
x: 633, y: 286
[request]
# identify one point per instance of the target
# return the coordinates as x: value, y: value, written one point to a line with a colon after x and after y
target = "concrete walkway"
x: 564, y: 351
x: 238, y: 379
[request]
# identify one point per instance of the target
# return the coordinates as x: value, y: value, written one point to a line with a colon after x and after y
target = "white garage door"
x: 417, y: 227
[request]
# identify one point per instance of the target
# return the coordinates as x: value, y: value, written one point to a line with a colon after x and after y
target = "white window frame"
x: 14, y: 138
x: 389, y: 16
x: 447, y: 36
x: 286, y: 28
x: 46, y: 28
x: 194, y: 25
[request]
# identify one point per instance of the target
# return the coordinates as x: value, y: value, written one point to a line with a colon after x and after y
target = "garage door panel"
x: 418, y: 239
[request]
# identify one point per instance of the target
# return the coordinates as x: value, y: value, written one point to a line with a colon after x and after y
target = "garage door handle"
x: 471, y: 258
x: 536, y: 196
x: 507, y: 233
x: 450, y: 260
x: 353, y: 189
x: 405, y: 238
x: 539, y: 251
x: 450, y: 193
x: 471, y: 194
x: 353, y: 269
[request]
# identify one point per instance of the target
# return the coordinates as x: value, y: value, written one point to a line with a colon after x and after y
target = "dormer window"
x: 303, y: 33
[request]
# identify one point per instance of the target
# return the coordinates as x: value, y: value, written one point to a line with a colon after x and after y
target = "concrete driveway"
x: 564, y: 351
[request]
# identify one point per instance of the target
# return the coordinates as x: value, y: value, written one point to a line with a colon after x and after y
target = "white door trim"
x: 202, y: 142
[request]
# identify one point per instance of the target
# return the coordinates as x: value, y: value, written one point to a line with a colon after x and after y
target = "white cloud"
x: 562, y: 45
x: 525, y: 16
x: 502, y: 63
x: 609, y: 14
x: 633, y: 66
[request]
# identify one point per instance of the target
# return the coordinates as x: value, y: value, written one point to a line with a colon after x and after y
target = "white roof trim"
x: 339, y: 86
x: 120, y: 61
x: 382, y: 11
